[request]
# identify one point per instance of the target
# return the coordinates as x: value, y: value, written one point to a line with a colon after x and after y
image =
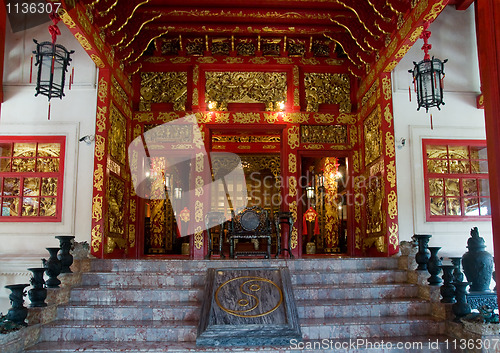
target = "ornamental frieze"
x: 163, y: 87
x: 326, y: 88
x: 336, y: 134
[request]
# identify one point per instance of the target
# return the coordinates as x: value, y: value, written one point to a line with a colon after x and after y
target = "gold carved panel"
x: 163, y: 87
x: 373, y: 136
x: 245, y: 87
x: 117, y: 136
x: 326, y: 88
x: 116, y: 205
x: 374, y: 203
x: 323, y: 134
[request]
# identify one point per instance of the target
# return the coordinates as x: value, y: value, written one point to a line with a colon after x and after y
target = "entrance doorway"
x: 325, y: 221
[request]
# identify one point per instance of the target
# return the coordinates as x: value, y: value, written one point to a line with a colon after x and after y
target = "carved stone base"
x: 246, y: 307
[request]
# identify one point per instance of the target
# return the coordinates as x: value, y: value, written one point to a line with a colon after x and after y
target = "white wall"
x: 453, y: 38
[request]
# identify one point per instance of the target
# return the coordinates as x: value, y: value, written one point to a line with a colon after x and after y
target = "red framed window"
x: 456, y: 180
x: 31, y: 178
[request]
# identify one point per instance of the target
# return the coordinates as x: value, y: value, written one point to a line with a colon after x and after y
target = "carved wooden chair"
x: 212, y: 221
x: 250, y: 223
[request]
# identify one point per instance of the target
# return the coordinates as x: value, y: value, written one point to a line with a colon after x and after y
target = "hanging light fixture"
x: 428, y: 76
x: 52, y: 60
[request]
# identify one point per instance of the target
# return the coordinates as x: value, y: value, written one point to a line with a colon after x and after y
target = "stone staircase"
x: 154, y: 306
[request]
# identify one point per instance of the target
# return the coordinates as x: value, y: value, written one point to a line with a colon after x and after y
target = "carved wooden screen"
x: 31, y: 178
x: 456, y: 180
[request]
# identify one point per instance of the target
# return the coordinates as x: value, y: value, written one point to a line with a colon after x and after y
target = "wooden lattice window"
x: 31, y: 178
x: 456, y: 180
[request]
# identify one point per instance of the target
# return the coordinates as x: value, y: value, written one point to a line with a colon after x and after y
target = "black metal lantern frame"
x: 428, y: 77
x: 52, y: 61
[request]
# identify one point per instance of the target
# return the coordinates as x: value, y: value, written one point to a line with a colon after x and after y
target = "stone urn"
x: 18, y: 312
x: 53, y: 268
x: 433, y: 266
x: 423, y: 254
x: 65, y: 243
x: 38, y: 293
x: 477, y: 263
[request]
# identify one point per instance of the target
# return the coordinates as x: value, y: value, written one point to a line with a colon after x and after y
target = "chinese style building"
x: 313, y: 98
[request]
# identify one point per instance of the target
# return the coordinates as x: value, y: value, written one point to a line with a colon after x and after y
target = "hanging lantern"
x: 428, y: 77
x: 52, y: 60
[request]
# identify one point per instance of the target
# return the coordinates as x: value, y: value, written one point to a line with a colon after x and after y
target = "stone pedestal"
x: 245, y: 307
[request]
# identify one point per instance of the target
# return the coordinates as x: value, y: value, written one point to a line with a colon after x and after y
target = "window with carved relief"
x: 456, y: 180
x: 31, y: 178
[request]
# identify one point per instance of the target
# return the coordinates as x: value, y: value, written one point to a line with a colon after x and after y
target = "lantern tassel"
x: 31, y: 68
x: 432, y: 126
x: 48, y: 113
x: 70, y: 80
x: 409, y: 91
x: 72, y: 74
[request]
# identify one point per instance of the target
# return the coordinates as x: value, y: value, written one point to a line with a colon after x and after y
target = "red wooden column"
x: 488, y: 35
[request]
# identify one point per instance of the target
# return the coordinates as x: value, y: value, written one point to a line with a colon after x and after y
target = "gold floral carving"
x: 84, y: 22
x: 324, y: 118
x: 391, y: 173
x: 245, y: 87
x: 405, y: 29
x: 137, y: 131
x: 231, y: 60
x: 198, y: 238
x: 370, y: 92
x: 390, y: 150
x: 203, y: 118
x: 435, y: 11
x: 355, y: 161
x: 199, y: 162
x: 374, y: 206
x: 292, y: 163
x: 358, y: 201
x: 244, y: 147
x: 167, y: 116
x: 116, y: 206
x: 321, y: 88
x: 117, y: 135
x: 206, y: 60
x: 97, y: 208
x: 357, y: 237
x: 353, y: 135
x: 294, y: 238
x: 296, y: 118
x: 416, y: 34
x: 309, y: 61
x: 163, y: 87
x: 133, y: 210
x: 198, y: 211
x: 102, y: 91
x: 377, y: 242
x: 98, y: 177
x: 101, y: 118
x: 292, y: 184
x: 296, y: 97
x: 259, y: 60
x: 98, y: 61
x: 388, y: 115
x: 386, y: 86
x: 393, y: 235
x: 314, y: 146
x: 83, y: 41
x: 195, y: 96
x: 392, y: 201
x: 100, y: 142
x: 98, y: 42
x: 373, y: 136
x: 246, y: 118
x: 402, y: 51
x: 222, y: 118
x: 269, y: 147
x: 346, y: 119
x: 131, y: 235
x: 196, y: 74
x: 113, y: 242
x: 199, y: 186
x: 96, y: 238
x: 336, y: 134
x: 296, y: 80
x: 271, y: 118
x: 179, y: 60
x: 293, y: 137
x: 65, y: 17
x: 391, y: 66
x: 284, y: 61
x: 334, y: 62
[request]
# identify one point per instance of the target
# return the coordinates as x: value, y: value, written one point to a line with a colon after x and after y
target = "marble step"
x: 172, y: 266
x: 185, y: 331
x: 355, y: 291
x: 131, y: 311
x: 159, y: 279
x: 332, y: 308
x: 415, y: 344
x: 103, y: 295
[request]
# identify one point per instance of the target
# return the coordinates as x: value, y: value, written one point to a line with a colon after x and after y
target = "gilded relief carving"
x: 97, y: 208
x: 101, y: 118
x: 374, y: 206
x: 246, y: 138
x: 296, y: 118
x: 163, y: 87
x: 393, y: 235
x: 392, y: 201
x: 271, y: 118
x: 336, y: 134
x: 370, y: 92
x: 388, y: 115
x: 116, y: 205
x: 293, y: 137
x: 325, y: 88
x: 292, y: 186
x: 131, y: 235
x: 96, y: 238
x: 390, y: 149
x: 386, y: 87
x: 100, y: 143
x: 246, y: 118
x: 102, y: 91
x: 245, y: 87
x: 373, y: 136
x: 294, y: 238
x: 117, y: 136
x: 198, y: 238
x: 391, y: 173
x: 98, y: 177
x: 292, y: 163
